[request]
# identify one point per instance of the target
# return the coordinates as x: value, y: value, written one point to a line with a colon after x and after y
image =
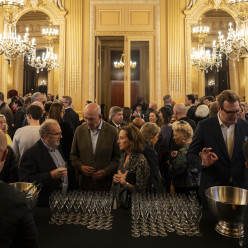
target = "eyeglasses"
x: 233, y: 112
x: 90, y: 119
x: 56, y: 134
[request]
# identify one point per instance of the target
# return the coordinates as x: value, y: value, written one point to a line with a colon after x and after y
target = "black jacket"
x: 72, y: 118
x: 36, y: 164
x: 208, y: 134
x: 152, y: 159
x: 9, y: 173
x: 17, y: 226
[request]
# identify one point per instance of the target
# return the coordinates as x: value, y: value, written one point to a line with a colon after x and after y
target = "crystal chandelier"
x: 48, y: 60
x: 204, y: 59
x: 10, y: 44
x: 50, y: 33
x: 236, y: 44
x: 200, y: 32
x: 201, y: 57
x: 120, y: 64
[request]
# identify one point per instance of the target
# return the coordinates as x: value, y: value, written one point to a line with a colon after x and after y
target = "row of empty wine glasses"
x: 158, y: 215
x: 88, y: 208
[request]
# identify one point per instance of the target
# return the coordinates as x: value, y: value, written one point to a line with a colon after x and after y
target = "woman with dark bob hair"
x: 133, y: 170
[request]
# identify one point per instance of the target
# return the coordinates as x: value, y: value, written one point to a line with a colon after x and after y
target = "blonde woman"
x: 184, y: 177
x: 4, y: 128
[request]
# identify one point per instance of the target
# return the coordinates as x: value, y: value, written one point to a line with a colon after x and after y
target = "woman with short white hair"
x: 184, y: 176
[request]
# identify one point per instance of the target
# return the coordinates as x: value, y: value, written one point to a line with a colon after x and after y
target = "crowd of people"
x: 177, y: 148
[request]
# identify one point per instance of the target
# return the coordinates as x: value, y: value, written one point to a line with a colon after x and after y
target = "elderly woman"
x: 9, y: 173
x: 184, y: 177
x: 201, y: 113
x: 150, y: 132
x: 4, y: 128
x: 133, y: 169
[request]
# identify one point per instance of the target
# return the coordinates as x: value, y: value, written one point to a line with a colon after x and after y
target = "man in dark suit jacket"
x: 116, y: 117
x: 70, y: 115
x: 216, y: 147
x: 45, y: 163
x: 17, y: 227
x: 95, y: 152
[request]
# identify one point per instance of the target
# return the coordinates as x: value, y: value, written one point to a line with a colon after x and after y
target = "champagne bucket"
x: 228, y: 205
x: 31, y: 199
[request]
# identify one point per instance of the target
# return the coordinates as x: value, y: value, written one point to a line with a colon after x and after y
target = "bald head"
x: 153, y: 105
x: 92, y: 115
x: 37, y: 103
x: 92, y: 108
x: 179, y: 110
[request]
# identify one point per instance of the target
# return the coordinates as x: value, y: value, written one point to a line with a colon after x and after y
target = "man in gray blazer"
x: 95, y: 152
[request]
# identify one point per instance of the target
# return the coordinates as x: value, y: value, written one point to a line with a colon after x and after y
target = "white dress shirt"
x: 228, y: 135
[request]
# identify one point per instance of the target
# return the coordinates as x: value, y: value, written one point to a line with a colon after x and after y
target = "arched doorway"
x: 34, y: 21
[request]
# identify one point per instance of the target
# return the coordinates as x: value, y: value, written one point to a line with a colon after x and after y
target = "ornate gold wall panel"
x: 137, y: 18
x: 124, y: 17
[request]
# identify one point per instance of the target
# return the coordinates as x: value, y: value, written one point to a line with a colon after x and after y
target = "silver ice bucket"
x: 31, y: 199
x: 228, y: 205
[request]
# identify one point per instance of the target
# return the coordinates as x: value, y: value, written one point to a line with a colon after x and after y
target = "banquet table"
x: 78, y: 236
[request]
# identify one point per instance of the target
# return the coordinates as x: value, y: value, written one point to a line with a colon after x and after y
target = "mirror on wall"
x: 216, y: 80
x: 29, y: 78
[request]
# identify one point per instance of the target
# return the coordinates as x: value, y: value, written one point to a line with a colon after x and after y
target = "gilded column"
x: 73, y: 85
x: 234, y: 77
x: 176, y: 53
x: 18, y: 67
x: 245, y: 92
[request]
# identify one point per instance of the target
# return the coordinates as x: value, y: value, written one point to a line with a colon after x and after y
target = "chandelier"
x: 10, y: 44
x: 204, y: 59
x: 236, y: 44
x: 48, y: 60
x: 120, y: 64
x: 201, y: 57
x: 200, y: 32
x: 51, y: 34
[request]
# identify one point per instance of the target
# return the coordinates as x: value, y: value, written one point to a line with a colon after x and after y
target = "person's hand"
x: 246, y: 164
x: 174, y: 154
x: 123, y: 178
x: 116, y: 178
x: 99, y: 174
x: 58, y: 173
x: 208, y: 157
x: 87, y: 170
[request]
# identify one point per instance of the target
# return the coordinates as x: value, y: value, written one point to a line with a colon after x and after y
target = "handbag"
x: 125, y: 194
x: 125, y: 199
x: 192, y: 177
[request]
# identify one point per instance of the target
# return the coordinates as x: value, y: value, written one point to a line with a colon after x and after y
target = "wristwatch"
x: 126, y: 185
